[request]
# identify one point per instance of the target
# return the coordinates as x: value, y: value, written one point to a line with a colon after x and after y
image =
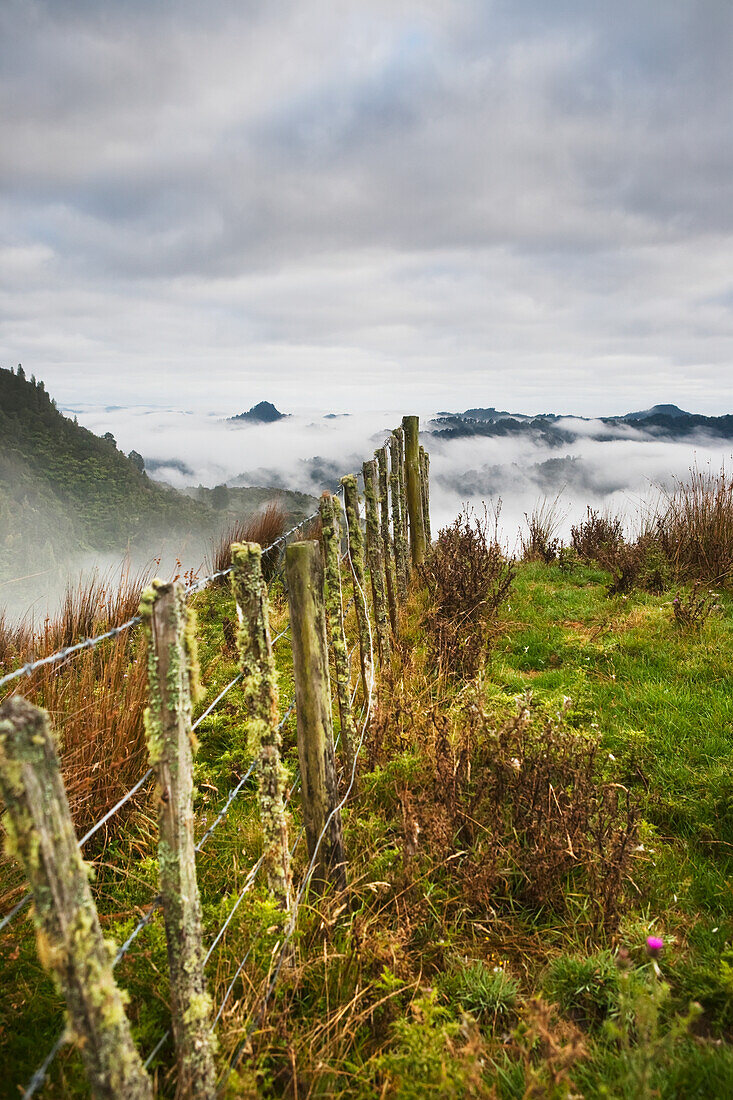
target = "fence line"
x: 290, y: 929
x: 404, y: 477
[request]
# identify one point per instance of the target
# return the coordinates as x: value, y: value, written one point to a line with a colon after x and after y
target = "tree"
x: 219, y: 497
x: 137, y: 460
x: 110, y: 438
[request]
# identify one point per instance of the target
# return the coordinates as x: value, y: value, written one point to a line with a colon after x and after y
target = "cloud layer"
x: 384, y: 205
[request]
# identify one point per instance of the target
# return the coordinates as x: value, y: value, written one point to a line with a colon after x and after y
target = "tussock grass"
x: 263, y: 527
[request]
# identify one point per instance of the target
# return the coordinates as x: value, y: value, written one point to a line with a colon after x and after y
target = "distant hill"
x: 262, y: 413
x: 673, y: 411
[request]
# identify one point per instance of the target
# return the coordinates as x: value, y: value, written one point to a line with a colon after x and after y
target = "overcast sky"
x: 438, y: 204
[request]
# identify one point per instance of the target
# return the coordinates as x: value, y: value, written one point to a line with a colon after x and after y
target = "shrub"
x: 697, y: 526
x: 528, y: 802
x: 642, y: 564
x: 467, y: 578
x: 596, y: 534
x: 541, y: 543
x: 693, y: 610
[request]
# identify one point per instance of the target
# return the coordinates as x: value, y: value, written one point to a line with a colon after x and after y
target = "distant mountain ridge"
x: 664, y: 421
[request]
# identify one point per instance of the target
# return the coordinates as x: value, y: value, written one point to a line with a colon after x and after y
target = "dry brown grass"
x: 95, y: 698
x: 263, y: 527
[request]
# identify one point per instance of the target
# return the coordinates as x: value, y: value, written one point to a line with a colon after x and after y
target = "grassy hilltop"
x: 545, y: 783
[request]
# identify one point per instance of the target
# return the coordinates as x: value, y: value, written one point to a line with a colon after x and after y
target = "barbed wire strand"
x: 91, y: 643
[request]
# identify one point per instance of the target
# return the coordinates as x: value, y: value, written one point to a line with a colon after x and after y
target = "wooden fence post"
x: 172, y: 669
x: 400, y: 436
x: 356, y: 559
x: 400, y: 543
x: 40, y: 834
x: 329, y: 509
x: 387, y: 543
x: 374, y: 558
x: 304, y: 574
x: 411, y: 426
x: 425, y: 486
x: 261, y: 701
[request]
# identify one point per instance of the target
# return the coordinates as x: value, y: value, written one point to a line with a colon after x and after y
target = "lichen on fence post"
x: 387, y: 542
x: 304, y: 575
x: 261, y: 698
x: 398, y: 531
x: 40, y: 834
x: 399, y: 435
x: 425, y: 486
x: 172, y: 679
x: 330, y: 535
x: 355, y: 542
x: 375, y: 560
x: 411, y: 427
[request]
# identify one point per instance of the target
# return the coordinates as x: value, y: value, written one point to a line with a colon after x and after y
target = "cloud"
x: 523, y: 204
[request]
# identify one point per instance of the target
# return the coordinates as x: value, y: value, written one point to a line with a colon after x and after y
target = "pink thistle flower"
x: 653, y: 946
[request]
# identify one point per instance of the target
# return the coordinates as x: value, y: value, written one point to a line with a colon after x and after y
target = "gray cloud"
x: 513, y: 203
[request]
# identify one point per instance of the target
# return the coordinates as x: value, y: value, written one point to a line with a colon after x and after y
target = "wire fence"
x: 281, y: 950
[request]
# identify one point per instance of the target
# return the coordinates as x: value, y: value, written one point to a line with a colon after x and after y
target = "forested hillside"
x: 70, y: 498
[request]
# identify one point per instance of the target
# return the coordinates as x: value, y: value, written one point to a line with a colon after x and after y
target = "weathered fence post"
x: 329, y: 509
x: 172, y: 668
x: 374, y: 558
x: 356, y: 560
x: 411, y: 426
x: 387, y: 543
x: 40, y: 834
x: 425, y: 486
x: 400, y: 436
x: 261, y: 700
x: 304, y: 574
x: 400, y: 543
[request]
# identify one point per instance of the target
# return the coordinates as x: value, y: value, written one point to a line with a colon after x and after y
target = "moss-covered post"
x: 387, y: 543
x: 304, y: 574
x: 356, y: 559
x: 398, y: 530
x: 399, y: 434
x: 172, y: 679
x: 330, y: 535
x: 411, y: 427
x: 261, y: 701
x: 374, y: 559
x: 425, y: 486
x: 41, y: 836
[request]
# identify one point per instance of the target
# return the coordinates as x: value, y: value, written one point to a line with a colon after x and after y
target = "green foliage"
x: 490, y: 995
x: 422, y: 1060
x: 587, y: 987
